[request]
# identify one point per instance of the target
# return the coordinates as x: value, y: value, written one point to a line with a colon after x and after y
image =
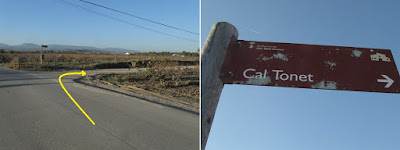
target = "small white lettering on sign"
x: 252, y: 73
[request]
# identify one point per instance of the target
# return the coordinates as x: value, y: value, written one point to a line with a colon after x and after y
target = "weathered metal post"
x: 41, y: 55
x: 212, y: 58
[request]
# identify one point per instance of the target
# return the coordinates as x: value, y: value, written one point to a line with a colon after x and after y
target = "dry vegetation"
x: 69, y: 61
x: 163, y: 77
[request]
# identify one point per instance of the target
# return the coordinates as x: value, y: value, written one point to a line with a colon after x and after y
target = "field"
x: 82, y: 61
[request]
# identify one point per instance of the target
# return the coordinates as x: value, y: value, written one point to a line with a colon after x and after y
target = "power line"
x: 139, y: 17
x: 116, y: 19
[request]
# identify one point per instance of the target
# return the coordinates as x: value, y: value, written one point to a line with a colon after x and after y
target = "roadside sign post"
x: 212, y: 58
x: 41, y: 54
x: 226, y: 60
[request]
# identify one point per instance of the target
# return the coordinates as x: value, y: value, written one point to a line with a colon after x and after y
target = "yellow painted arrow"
x: 74, y: 73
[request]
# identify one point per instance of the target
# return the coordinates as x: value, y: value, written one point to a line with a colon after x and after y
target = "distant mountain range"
x: 57, y: 47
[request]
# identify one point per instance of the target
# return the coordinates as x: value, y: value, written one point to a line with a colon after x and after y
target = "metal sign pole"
x: 212, y: 58
x: 41, y: 55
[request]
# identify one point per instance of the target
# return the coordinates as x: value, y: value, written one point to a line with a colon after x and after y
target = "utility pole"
x: 212, y: 58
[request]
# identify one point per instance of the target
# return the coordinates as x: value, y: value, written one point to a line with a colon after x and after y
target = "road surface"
x: 37, y: 114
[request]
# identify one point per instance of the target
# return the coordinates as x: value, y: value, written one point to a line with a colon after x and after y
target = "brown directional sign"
x: 310, y: 66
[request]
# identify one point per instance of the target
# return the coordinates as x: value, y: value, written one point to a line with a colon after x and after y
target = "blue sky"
x: 276, y: 118
x: 54, y: 22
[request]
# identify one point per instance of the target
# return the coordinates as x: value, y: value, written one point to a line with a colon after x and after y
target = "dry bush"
x: 56, y: 61
x: 169, y: 74
x: 72, y: 57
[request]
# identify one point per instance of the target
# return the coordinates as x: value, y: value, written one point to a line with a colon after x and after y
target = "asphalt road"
x: 35, y: 113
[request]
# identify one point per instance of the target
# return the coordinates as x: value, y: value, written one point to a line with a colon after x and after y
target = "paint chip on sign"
x: 321, y: 85
x: 275, y: 56
x: 255, y: 81
x: 356, y: 53
x: 331, y: 64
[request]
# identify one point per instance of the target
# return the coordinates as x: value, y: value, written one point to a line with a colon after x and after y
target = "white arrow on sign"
x: 387, y: 80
